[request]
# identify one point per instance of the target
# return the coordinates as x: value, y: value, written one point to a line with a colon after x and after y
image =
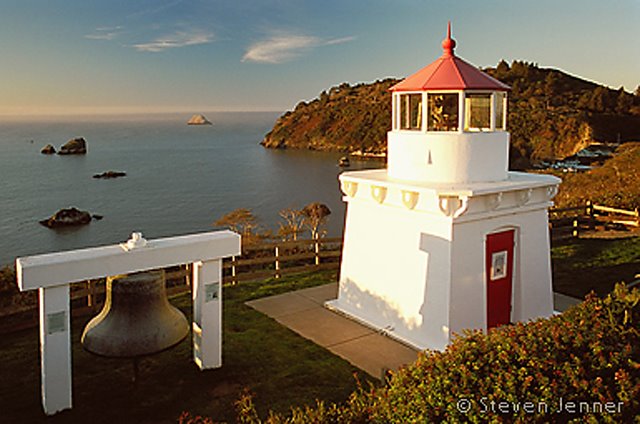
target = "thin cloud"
x: 284, y: 47
x: 176, y: 40
x: 105, y: 33
x: 339, y: 40
x: 154, y: 10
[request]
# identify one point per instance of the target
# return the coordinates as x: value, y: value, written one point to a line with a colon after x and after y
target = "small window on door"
x: 498, y: 265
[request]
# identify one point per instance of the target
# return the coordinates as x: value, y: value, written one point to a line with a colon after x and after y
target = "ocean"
x: 180, y: 178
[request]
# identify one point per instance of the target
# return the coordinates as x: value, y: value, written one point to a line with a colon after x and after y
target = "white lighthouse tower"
x: 446, y: 238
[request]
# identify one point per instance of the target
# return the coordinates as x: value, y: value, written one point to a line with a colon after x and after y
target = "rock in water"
x: 67, y: 217
x: 48, y: 150
x: 198, y: 120
x: 75, y: 146
x: 110, y: 174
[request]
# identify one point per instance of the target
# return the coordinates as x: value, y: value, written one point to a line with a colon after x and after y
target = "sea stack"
x: 75, y: 146
x: 48, y: 150
x: 198, y: 120
x: 66, y: 218
x: 110, y: 174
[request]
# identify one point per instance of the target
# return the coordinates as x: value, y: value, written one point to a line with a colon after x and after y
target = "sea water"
x: 180, y: 179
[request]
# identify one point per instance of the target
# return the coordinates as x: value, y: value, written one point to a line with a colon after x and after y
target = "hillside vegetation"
x: 345, y: 119
x: 551, y: 115
x: 616, y: 183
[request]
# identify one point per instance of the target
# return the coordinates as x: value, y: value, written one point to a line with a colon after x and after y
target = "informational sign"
x: 211, y: 292
x: 57, y: 322
x: 499, y: 265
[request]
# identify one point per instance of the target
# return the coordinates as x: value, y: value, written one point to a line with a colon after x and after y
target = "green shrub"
x: 583, y: 365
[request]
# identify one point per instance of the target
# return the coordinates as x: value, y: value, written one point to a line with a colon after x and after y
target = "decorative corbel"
x: 453, y: 206
x: 524, y: 196
x: 410, y: 198
x: 552, y: 191
x: 349, y: 188
x: 494, y: 200
x: 378, y: 193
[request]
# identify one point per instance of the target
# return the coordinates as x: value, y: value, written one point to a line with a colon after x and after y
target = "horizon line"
x: 40, y: 113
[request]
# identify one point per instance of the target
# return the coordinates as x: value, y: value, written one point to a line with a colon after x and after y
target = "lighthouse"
x: 446, y: 238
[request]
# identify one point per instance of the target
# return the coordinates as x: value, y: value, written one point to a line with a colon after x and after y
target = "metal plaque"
x: 56, y: 322
x: 211, y: 292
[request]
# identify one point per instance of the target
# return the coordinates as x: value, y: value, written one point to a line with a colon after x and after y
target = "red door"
x: 499, y: 270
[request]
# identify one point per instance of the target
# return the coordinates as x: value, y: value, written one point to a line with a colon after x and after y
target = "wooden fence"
x: 258, y: 261
x: 573, y: 221
x: 275, y: 259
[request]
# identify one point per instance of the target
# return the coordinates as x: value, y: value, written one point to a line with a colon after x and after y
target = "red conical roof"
x: 449, y: 73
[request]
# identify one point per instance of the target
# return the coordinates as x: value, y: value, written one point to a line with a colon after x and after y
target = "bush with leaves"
x: 587, y: 358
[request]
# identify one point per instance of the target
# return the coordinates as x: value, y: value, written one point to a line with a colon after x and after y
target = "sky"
x: 145, y: 56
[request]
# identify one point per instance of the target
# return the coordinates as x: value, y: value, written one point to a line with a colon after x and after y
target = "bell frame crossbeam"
x: 52, y: 273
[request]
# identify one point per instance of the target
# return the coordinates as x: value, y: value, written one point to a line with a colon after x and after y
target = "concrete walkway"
x: 303, y: 311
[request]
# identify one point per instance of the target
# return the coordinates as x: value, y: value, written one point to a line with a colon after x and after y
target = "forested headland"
x: 552, y: 115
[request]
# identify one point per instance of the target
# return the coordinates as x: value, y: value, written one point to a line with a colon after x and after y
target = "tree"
x: 624, y: 102
x: 316, y: 216
x: 502, y: 69
x: 294, y: 221
x: 551, y: 87
x: 243, y: 222
x: 600, y: 99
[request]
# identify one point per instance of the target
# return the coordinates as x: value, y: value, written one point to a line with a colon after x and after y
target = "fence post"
x: 589, y: 212
x: 233, y: 270
x: 277, y: 249
x: 187, y: 277
x: 575, y: 228
x: 90, y: 299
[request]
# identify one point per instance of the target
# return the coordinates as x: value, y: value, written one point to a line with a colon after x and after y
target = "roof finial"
x: 448, y: 44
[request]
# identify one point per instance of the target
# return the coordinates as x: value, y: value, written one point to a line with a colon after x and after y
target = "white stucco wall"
x: 416, y: 269
x: 454, y: 157
x: 395, y: 272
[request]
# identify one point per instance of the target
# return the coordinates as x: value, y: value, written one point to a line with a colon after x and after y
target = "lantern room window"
x: 443, y: 112
x: 411, y: 111
x: 477, y: 112
x: 501, y: 107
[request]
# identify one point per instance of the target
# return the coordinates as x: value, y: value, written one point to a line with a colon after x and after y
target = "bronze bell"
x: 136, y: 320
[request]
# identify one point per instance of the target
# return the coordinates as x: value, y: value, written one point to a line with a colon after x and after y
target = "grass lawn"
x: 281, y: 368
x: 583, y: 265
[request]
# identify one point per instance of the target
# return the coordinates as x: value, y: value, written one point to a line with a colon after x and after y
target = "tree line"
x: 312, y: 218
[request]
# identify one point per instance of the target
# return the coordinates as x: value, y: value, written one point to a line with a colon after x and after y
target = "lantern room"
x: 449, y: 123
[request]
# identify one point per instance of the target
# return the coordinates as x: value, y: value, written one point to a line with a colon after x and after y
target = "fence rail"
x: 572, y: 221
